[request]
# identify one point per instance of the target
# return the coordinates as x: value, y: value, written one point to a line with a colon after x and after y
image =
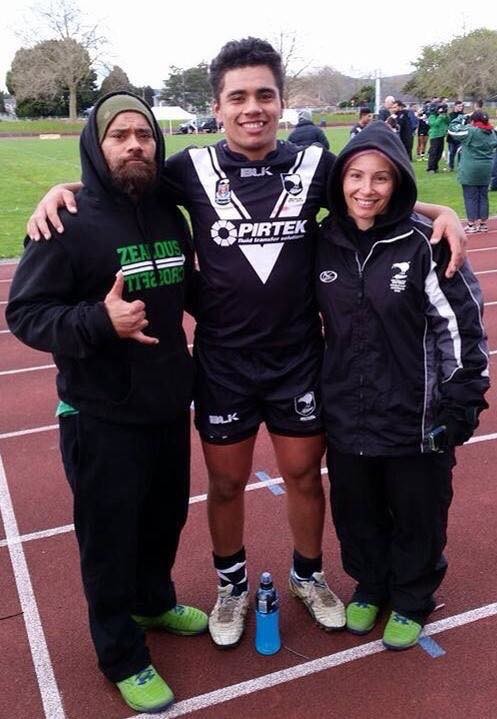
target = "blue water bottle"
x: 267, y: 617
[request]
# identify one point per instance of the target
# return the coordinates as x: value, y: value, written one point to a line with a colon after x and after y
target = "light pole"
x: 377, y: 93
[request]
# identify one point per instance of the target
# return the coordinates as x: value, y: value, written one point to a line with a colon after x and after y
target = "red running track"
x: 47, y: 663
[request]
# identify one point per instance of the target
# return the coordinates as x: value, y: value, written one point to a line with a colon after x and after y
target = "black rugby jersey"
x: 254, y: 227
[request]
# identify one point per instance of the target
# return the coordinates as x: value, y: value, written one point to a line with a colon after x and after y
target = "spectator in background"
x: 478, y: 144
x: 412, y: 114
x: 422, y: 133
x: 404, y: 128
x: 385, y: 110
x: 493, y: 178
x: 365, y: 117
x: 307, y: 133
x: 452, y: 143
x: 438, y: 122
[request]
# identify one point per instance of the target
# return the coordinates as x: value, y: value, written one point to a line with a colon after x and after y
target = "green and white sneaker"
x: 361, y: 617
x: 183, y: 620
x: 146, y: 691
x: 401, y: 632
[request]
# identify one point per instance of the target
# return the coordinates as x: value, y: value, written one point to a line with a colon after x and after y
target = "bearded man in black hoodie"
x: 122, y: 266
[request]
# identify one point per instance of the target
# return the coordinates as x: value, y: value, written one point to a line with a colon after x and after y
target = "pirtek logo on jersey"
x: 225, y: 233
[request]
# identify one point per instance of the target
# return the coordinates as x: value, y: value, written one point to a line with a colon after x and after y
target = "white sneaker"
x: 326, y: 608
x: 227, y: 619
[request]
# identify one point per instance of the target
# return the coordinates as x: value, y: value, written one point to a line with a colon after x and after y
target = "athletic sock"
x: 304, y: 567
x: 232, y: 570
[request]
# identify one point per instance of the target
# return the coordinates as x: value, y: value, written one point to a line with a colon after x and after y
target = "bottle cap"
x: 266, y: 578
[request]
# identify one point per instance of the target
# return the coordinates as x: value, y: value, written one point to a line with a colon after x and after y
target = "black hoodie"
x: 405, y: 346
x: 56, y: 299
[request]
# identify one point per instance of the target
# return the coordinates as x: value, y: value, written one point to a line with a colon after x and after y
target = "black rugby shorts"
x: 237, y: 389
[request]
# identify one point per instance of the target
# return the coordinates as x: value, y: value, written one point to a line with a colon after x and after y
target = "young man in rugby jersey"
x: 253, y: 202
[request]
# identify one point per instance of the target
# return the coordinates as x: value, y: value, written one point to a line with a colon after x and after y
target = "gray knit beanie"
x: 114, y: 105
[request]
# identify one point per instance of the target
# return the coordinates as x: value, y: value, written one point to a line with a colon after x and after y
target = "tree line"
x: 57, y: 76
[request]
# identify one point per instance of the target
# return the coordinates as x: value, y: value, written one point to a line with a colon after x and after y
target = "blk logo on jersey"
x: 223, y: 192
x: 255, y: 171
x: 399, y: 278
x: 305, y: 406
x: 292, y: 183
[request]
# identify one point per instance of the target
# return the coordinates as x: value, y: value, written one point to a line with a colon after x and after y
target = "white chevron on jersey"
x: 261, y: 257
x: 305, y: 166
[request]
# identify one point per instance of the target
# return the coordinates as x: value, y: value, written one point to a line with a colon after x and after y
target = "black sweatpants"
x: 131, y: 487
x: 435, y: 152
x: 390, y: 514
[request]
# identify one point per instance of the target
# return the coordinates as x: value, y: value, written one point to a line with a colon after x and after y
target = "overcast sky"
x: 356, y: 37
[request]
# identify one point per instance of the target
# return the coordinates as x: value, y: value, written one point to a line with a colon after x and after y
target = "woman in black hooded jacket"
x: 404, y: 378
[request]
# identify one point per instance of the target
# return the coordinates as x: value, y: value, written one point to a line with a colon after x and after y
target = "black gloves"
x: 460, y: 424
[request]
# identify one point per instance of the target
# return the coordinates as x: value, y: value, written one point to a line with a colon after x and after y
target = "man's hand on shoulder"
x: 128, y: 318
x: 47, y: 211
x: 448, y: 226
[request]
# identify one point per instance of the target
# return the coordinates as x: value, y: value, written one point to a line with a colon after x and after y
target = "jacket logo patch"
x: 328, y: 276
x: 398, y: 281
x: 305, y: 406
x: 223, y: 192
x: 292, y: 183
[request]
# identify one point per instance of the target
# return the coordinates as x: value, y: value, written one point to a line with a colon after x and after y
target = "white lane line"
x: 50, y: 696
x: 5, y: 280
x: 44, y: 533
x: 4, y: 332
x: 196, y: 499
x: 23, y: 432
x: 482, y: 249
x: 37, y: 535
x: 26, y: 369
x: 3, y: 302
x: 52, y: 366
x: 485, y: 272
x: 311, y: 667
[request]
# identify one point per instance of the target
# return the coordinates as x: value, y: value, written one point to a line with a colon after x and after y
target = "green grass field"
x: 30, y: 166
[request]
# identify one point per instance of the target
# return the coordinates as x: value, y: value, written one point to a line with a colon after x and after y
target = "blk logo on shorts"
x: 305, y: 406
x: 221, y: 419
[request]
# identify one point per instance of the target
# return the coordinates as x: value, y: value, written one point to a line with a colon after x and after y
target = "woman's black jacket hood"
x: 376, y: 136
x: 95, y: 171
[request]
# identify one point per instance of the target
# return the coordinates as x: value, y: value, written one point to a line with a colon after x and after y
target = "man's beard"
x: 134, y: 177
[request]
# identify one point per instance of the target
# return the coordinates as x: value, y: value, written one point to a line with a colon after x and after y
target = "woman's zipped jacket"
x: 405, y: 346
